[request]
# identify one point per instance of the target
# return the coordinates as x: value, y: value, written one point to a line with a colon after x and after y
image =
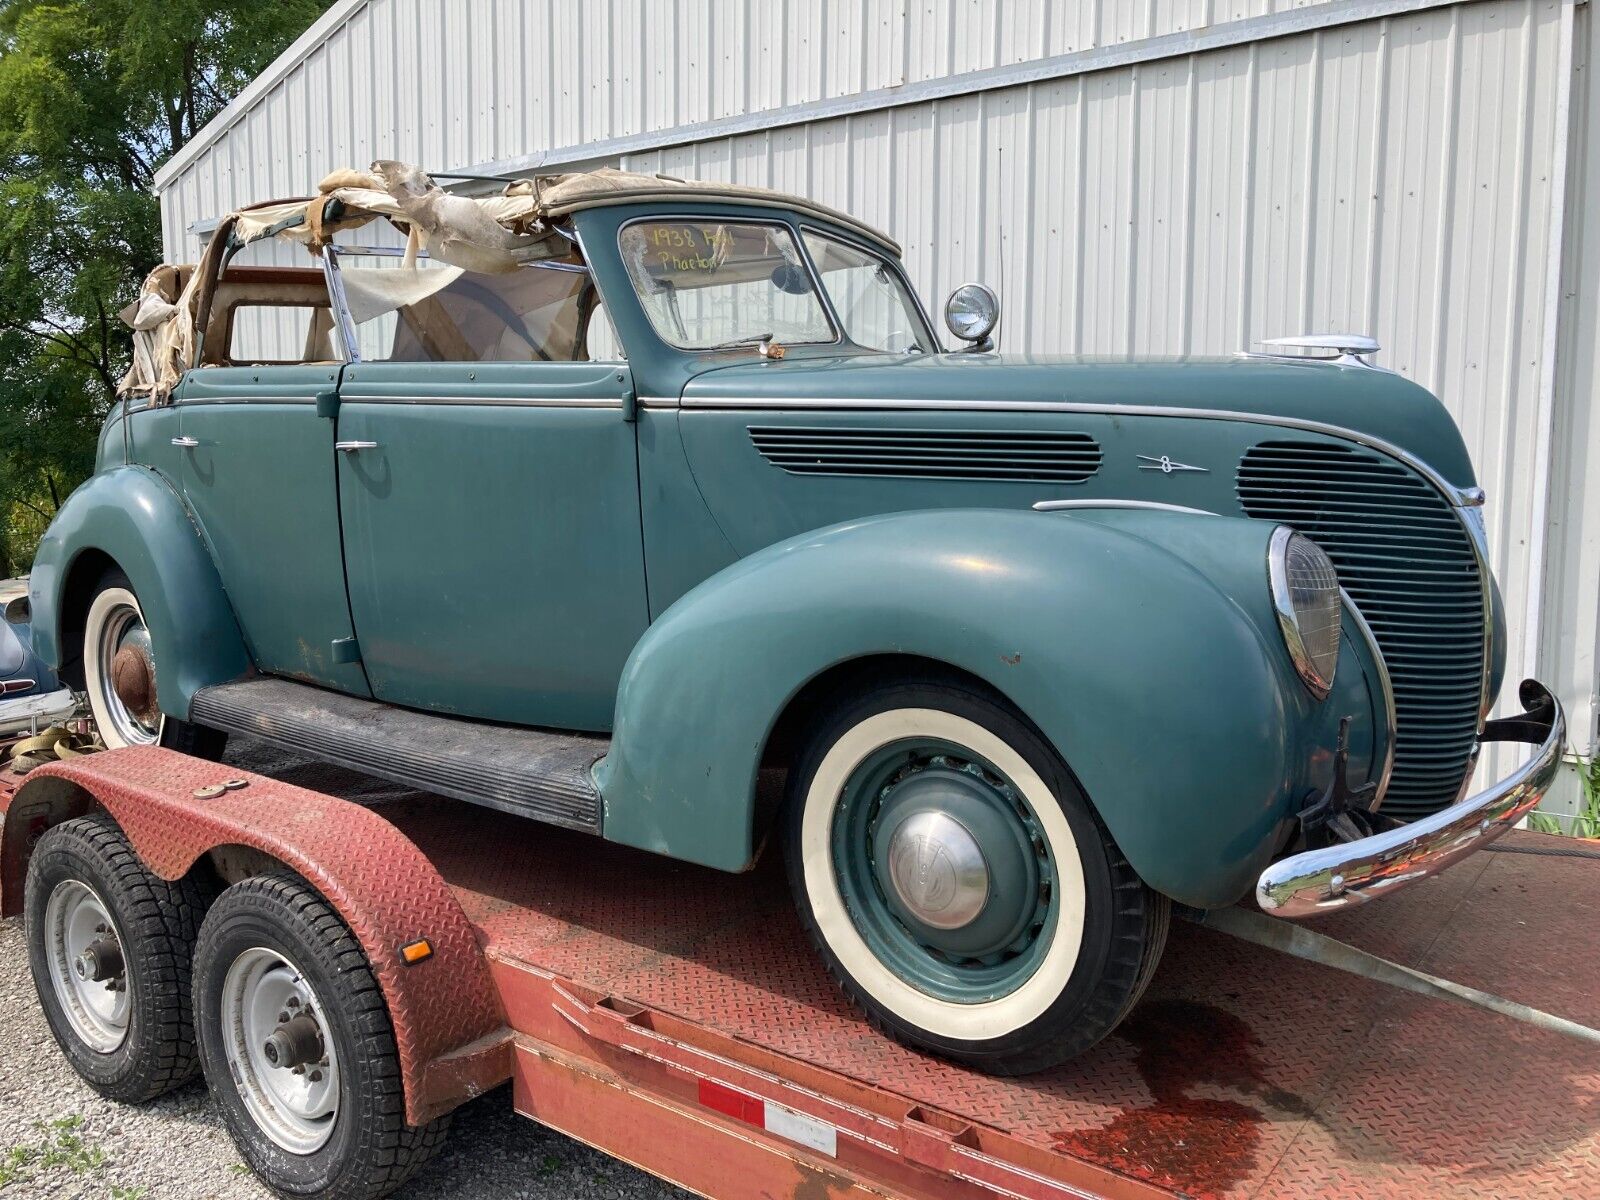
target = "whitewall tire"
x: 120, y: 669
x: 115, y: 625
x: 959, y: 885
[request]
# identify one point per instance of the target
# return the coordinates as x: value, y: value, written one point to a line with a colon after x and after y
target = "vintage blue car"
x: 31, y: 697
x: 658, y: 510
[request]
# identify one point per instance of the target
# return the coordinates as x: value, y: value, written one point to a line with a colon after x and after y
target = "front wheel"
x: 119, y: 671
x: 958, y: 884
x: 298, y: 1048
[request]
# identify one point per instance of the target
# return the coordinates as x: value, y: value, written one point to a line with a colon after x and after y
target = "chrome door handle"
x: 347, y: 447
x: 188, y: 443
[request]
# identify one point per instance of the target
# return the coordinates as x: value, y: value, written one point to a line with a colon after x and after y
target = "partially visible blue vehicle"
x: 31, y: 696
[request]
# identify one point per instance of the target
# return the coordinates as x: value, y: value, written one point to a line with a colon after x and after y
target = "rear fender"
x: 1168, y: 693
x: 133, y: 516
x: 447, y: 1020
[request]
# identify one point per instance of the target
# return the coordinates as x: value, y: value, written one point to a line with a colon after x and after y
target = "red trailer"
x: 675, y: 1017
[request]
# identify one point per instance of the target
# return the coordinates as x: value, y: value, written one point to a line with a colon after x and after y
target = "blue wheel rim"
x: 1004, y: 947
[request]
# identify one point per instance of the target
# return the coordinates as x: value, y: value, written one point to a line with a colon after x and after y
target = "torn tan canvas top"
x: 564, y: 194
x: 490, y: 234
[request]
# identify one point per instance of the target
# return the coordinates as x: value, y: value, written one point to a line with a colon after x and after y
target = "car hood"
x: 1372, y: 404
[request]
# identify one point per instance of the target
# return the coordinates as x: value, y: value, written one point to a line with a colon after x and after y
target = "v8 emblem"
x: 1166, y: 466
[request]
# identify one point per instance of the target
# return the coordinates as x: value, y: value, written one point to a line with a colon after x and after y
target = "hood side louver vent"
x: 1025, y: 455
x: 1408, y: 563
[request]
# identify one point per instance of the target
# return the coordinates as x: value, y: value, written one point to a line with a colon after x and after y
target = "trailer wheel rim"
x: 77, y: 923
x: 296, y: 1104
x: 945, y: 869
x: 116, y: 625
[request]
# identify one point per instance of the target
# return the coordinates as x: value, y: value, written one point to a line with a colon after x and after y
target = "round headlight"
x: 1305, y: 591
x: 972, y: 312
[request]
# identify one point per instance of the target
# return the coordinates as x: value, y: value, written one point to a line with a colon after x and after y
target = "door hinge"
x: 346, y: 650
x: 630, y: 400
x: 328, y: 403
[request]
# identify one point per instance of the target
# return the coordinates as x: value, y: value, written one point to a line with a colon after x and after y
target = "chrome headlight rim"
x: 1317, y: 682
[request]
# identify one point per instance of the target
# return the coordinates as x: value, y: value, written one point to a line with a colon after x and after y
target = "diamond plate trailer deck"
x: 676, y: 1018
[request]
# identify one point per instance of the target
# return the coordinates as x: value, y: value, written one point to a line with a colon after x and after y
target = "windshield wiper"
x: 755, y: 339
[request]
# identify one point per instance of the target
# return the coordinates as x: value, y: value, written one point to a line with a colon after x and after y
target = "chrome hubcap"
x: 278, y: 1050
x: 87, y: 973
x: 938, y: 870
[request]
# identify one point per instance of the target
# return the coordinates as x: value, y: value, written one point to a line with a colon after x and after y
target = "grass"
x: 15, y: 1162
x: 1585, y: 823
x: 60, y: 1144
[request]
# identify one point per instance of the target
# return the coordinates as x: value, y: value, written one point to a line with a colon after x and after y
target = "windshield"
x: 870, y: 298
x: 711, y: 285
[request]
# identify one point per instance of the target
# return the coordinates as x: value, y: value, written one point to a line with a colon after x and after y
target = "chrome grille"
x: 1030, y: 455
x: 1408, y: 563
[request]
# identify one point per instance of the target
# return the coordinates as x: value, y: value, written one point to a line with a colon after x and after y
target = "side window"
x: 600, y: 339
x: 436, y: 313
x: 873, y: 305
x: 279, y: 333
x: 262, y: 312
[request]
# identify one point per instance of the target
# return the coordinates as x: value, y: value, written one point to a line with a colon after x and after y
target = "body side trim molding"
x: 488, y: 401
x: 1159, y: 506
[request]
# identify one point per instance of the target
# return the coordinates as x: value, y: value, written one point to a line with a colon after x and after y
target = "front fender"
x: 133, y: 516
x: 1163, y: 691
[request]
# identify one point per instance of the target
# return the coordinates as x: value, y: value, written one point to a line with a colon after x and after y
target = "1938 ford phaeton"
x: 632, y: 493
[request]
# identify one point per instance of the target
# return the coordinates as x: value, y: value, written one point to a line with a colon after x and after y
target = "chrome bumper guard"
x: 1335, y: 877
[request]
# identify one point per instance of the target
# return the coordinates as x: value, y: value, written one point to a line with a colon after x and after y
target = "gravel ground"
x: 59, y: 1139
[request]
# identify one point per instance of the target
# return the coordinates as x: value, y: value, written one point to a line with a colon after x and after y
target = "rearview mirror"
x: 972, y: 312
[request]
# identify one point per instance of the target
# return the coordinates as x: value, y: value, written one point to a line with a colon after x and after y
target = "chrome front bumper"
x: 1335, y: 877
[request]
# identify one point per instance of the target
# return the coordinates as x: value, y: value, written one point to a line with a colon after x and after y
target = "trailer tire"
x: 959, y: 885
x: 135, y: 1042
x: 326, y: 1121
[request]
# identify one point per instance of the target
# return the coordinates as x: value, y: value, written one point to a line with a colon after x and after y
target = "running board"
x: 537, y: 773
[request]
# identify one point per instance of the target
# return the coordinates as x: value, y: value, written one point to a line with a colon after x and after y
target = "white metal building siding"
x: 1571, y: 623
x: 1145, y: 176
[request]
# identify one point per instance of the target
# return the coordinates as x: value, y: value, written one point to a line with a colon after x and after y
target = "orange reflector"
x: 416, y: 952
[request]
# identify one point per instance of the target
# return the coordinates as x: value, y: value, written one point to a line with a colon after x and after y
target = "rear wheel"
x: 298, y: 1048
x: 109, y: 944
x: 959, y: 885
x: 119, y: 670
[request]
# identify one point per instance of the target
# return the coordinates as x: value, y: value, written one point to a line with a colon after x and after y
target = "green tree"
x: 94, y: 96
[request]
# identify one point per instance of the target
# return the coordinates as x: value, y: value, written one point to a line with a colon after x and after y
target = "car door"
x: 492, y: 536
x: 258, y: 473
